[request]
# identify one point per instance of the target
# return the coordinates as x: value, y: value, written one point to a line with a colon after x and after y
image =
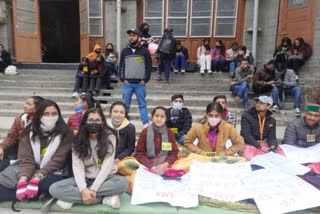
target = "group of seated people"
x: 95, y: 70
x: 76, y: 162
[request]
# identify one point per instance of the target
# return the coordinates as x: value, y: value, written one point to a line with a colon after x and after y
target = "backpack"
x: 166, y: 46
x: 192, y: 67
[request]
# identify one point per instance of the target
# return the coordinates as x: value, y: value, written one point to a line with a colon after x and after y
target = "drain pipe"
x: 255, y: 30
x: 118, y: 26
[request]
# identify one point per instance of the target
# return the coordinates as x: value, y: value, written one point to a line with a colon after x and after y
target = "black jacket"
x: 127, y: 140
x: 6, y: 57
x: 183, y: 122
x: 140, y: 51
x: 101, y: 68
x: 250, y: 129
x: 184, y: 51
x: 172, y: 49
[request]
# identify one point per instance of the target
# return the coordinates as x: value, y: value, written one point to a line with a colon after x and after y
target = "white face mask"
x: 177, y: 106
x: 48, y: 123
x: 213, y: 121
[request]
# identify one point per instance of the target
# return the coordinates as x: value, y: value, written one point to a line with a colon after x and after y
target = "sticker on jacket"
x: 43, y: 152
x: 134, y: 67
x: 166, y: 146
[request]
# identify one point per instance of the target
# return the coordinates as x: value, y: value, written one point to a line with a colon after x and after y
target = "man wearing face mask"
x: 264, y: 83
x: 179, y: 118
x: 95, y: 53
x: 258, y: 128
x: 135, y: 71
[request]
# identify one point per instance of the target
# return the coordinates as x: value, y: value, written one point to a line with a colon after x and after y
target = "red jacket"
x: 74, y: 121
x: 141, y: 149
x: 216, y: 52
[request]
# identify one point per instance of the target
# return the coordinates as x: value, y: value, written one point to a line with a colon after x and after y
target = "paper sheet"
x: 302, y: 155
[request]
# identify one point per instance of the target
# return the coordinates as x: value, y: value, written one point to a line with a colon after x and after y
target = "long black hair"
x: 37, y: 100
x: 61, y: 128
x: 87, y: 98
x: 119, y: 103
x: 286, y: 40
x: 82, y: 142
x: 222, y: 47
x: 107, y: 51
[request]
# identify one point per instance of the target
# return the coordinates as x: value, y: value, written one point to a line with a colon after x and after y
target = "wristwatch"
x: 39, y: 175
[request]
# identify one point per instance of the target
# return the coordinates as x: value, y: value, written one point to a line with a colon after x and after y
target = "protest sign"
x: 302, y: 155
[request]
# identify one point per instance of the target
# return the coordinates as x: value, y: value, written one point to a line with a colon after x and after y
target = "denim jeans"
x: 164, y: 65
x: 180, y: 62
x: 180, y: 140
x: 141, y: 93
x: 233, y: 65
x: 294, y: 91
x: 241, y: 90
x: 81, y: 82
x: 275, y: 95
x: 218, y: 64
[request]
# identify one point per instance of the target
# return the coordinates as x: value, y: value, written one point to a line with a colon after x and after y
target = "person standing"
x: 167, y: 52
x: 135, y: 72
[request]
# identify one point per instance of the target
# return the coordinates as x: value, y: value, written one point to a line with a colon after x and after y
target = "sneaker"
x: 246, y: 107
x: 83, y: 93
x: 275, y: 108
x: 214, y: 72
x: 113, y: 201
x: 219, y: 72
x: 64, y: 205
x: 75, y: 95
x: 145, y: 125
x: 297, y: 112
x: 158, y: 77
x: 183, y: 71
x: 175, y: 71
x: 94, y: 93
x: 209, y: 72
x: 46, y: 204
x: 201, y: 71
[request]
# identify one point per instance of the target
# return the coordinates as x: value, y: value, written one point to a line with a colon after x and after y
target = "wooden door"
x: 26, y: 30
x: 297, y: 19
x: 84, y: 29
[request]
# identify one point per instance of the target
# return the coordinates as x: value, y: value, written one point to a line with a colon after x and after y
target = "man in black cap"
x: 135, y: 71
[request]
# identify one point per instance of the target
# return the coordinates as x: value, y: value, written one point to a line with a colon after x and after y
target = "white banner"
x: 275, y: 161
x: 149, y: 188
x: 219, y: 180
x: 302, y: 155
x: 275, y: 192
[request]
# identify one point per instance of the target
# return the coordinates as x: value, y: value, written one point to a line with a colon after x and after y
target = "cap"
x: 264, y: 99
x: 134, y: 30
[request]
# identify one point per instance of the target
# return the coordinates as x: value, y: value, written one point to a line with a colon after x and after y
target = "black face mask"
x: 93, y: 128
x: 98, y: 52
x: 109, y: 49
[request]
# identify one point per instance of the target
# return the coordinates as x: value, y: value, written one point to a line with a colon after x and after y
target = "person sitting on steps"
x: 218, y: 57
x: 181, y: 57
x: 204, y: 56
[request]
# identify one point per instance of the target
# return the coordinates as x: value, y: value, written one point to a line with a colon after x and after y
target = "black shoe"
x: 94, y: 93
x: 46, y: 204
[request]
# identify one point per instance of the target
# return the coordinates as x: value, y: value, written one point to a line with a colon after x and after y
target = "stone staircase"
x: 57, y: 85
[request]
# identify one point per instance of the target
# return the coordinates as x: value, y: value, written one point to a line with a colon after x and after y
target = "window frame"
x: 186, y: 18
x: 96, y: 17
x: 201, y: 17
x: 228, y: 17
x: 150, y: 17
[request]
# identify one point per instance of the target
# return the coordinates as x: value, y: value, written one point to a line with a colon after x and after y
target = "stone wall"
x: 5, y: 28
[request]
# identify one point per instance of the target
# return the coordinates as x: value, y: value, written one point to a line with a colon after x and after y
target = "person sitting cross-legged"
x: 179, y: 118
x: 228, y: 116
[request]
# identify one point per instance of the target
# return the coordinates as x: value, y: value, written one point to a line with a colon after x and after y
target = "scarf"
x: 124, y: 124
x: 225, y: 114
x: 51, y: 150
x: 150, y: 143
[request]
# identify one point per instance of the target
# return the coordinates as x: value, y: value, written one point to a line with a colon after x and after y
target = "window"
x: 226, y: 18
x: 201, y: 18
x: 177, y: 11
x: 26, y: 21
x: 296, y: 3
x: 153, y: 15
x: 95, y: 18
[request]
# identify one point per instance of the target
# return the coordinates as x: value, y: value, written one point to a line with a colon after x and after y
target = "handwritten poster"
x: 275, y: 192
x: 219, y: 180
x: 302, y: 155
x: 149, y: 188
x: 275, y: 161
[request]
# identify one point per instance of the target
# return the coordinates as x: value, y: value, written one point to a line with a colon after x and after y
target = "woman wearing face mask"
x: 9, y: 146
x: 157, y: 148
x: 110, y: 51
x: 124, y: 129
x: 83, y: 103
x: 42, y: 154
x: 214, y: 134
x: 95, y: 53
x: 93, y: 166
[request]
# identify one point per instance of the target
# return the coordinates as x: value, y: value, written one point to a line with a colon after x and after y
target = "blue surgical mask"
x: 78, y: 108
x: 177, y: 106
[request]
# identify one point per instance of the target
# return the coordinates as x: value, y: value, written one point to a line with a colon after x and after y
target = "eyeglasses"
x: 91, y: 121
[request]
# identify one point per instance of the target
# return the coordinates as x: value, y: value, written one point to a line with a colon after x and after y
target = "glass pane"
x: 26, y: 27
x: 226, y: 7
x: 225, y: 27
x: 178, y: 26
x: 155, y: 26
x: 83, y: 4
x: 295, y: 3
x: 83, y: 16
x: 177, y: 8
x: 23, y: 15
x: 201, y: 7
x: 95, y: 8
x: 25, y: 4
x: 83, y: 27
x: 95, y: 26
x: 201, y: 27
x: 153, y: 8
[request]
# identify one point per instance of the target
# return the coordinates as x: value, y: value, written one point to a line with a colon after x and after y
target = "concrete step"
x: 51, y: 66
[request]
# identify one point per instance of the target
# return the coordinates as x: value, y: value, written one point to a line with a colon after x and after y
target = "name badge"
x: 99, y: 162
x: 85, y: 69
x: 166, y: 146
x: 211, y: 154
x: 174, y: 130
x: 311, y: 138
x: 43, y: 152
